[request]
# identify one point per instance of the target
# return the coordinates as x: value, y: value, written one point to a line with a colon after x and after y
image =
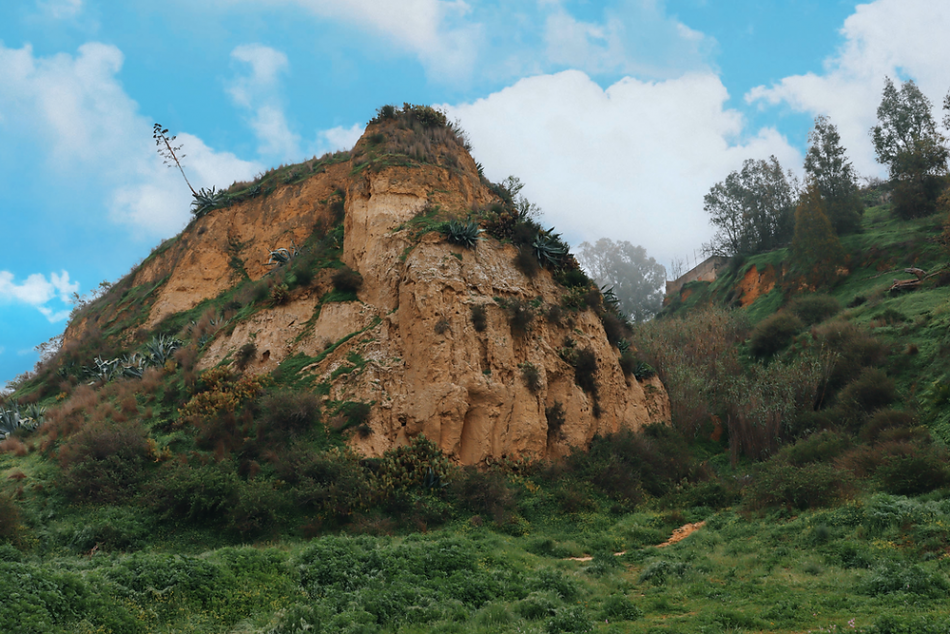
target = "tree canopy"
x: 828, y: 168
x: 752, y: 208
x: 636, y: 278
x: 816, y: 250
x: 906, y: 139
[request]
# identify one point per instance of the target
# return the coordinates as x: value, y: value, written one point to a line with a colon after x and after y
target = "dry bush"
x: 187, y: 357
x: 204, y: 326
x: 128, y: 405
x: 66, y: 418
x: 103, y: 462
x: 691, y: 354
x: 856, y: 349
x: 615, y: 328
x: 15, y: 446
x: 151, y: 381
x: 531, y: 377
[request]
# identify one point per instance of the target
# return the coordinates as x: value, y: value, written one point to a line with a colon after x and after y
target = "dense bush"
x: 774, y: 333
x: 813, y: 309
x: 883, y: 420
x: 346, y: 280
x: 585, y: 370
x: 104, y: 462
x: 287, y: 413
x: 855, y: 348
x: 822, y: 446
x: 912, y: 469
x: 479, y: 316
x: 9, y: 520
x: 778, y: 483
x: 520, y: 316
x: 870, y: 391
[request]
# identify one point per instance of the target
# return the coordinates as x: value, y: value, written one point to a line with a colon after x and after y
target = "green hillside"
x: 807, y: 452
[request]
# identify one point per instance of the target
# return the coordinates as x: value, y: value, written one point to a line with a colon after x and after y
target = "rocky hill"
x: 379, y: 312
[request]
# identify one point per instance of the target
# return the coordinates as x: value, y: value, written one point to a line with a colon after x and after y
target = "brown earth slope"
x: 408, y: 345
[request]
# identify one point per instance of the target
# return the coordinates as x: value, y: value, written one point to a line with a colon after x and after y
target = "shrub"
x: 883, y: 420
x: 199, y: 493
x: 617, y: 607
x: 891, y: 577
x: 572, y: 618
x: 913, y: 470
x: 615, y: 328
x: 870, y: 391
x: 526, y: 262
x: 346, y: 280
x: 442, y: 326
x: 779, y: 483
x: 531, y: 376
x: 104, y: 461
x: 280, y: 294
x: 288, y: 413
x: 814, y: 309
x: 479, y: 316
x: 245, y: 355
x: 555, y: 419
x: 819, y: 447
x: 9, y: 520
x: 484, y: 493
x: 585, y: 370
x: 855, y: 348
x: 774, y: 333
x: 520, y: 316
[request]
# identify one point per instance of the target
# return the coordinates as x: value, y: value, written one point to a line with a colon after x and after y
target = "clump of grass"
x: 442, y: 326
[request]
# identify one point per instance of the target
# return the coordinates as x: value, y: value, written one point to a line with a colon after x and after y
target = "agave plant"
x: 548, y: 248
x: 133, y: 365
x: 462, y: 233
x: 160, y: 349
x: 102, y: 369
x: 281, y: 257
x: 205, y: 200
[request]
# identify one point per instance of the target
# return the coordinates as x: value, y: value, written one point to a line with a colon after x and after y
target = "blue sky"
x: 617, y: 115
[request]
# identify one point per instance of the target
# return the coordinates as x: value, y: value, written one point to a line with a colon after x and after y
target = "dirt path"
x: 678, y: 535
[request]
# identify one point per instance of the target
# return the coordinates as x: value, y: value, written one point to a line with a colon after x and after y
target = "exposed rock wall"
x: 408, y: 345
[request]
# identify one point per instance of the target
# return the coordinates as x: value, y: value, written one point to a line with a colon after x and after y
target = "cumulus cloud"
x: 75, y: 108
x: 883, y: 38
x: 258, y: 93
x: 37, y: 291
x: 632, y: 162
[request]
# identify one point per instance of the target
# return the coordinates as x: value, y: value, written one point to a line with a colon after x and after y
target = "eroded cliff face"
x: 408, y: 346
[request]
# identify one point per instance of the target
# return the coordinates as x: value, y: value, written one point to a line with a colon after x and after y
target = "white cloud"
x: 338, y: 138
x: 634, y: 38
x: 895, y: 38
x: 632, y: 162
x: 257, y: 92
x: 60, y: 9
x: 37, y: 291
x: 75, y: 108
x: 434, y: 30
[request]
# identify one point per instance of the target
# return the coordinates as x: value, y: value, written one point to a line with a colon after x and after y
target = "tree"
x: 816, y: 250
x: 832, y: 173
x: 637, y: 279
x: 907, y: 141
x: 752, y: 208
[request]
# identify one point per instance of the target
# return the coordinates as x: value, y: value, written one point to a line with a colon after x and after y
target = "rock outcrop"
x: 408, y: 345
